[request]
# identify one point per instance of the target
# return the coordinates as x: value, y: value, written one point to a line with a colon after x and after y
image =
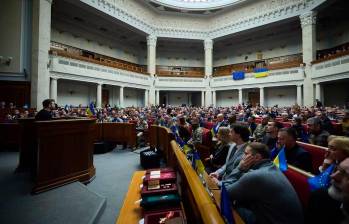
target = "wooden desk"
x: 130, y: 212
x: 216, y: 194
x: 116, y: 132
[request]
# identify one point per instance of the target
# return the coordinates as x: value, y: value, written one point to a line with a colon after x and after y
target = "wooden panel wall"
x: 15, y: 92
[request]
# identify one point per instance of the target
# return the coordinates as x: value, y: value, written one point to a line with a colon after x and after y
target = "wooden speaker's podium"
x: 59, y: 151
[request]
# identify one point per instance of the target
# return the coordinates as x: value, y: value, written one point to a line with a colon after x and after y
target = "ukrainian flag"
x: 226, y: 206
x: 280, y: 160
x: 197, y: 164
x: 260, y: 72
x: 91, y: 110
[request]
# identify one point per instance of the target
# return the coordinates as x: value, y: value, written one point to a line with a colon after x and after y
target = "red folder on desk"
x: 172, y: 216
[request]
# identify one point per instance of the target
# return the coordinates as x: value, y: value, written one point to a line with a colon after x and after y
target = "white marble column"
x: 202, y: 98
x: 208, y: 45
x: 208, y: 97
x: 53, y: 89
x: 189, y: 99
x: 261, y: 96
x: 41, y: 37
x: 214, y: 99
x: 99, y: 95
x: 146, y: 95
x: 240, y: 96
x: 299, y: 95
x: 157, y: 98
x: 151, y: 54
x: 308, y: 23
x: 318, y: 91
x: 121, y: 97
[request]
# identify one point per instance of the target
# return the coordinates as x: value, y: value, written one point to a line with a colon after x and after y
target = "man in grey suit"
x: 240, y: 136
x: 263, y: 194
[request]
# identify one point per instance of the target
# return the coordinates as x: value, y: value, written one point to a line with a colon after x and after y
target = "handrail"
x: 106, y: 62
x: 317, y: 146
x: 207, y: 208
x: 337, y: 55
x: 307, y: 174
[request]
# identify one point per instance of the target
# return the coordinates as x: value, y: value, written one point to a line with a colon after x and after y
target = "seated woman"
x: 219, y: 155
x: 338, y: 150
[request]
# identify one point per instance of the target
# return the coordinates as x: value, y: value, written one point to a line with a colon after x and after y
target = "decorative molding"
x: 208, y: 44
x: 308, y: 18
x: 151, y: 40
x: 257, y: 86
x: 200, y: 28
x: 116, y: 9
x: 97, y: 81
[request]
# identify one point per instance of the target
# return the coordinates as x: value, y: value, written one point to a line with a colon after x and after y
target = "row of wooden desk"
x: 58, y: 152
x: 199, y: 205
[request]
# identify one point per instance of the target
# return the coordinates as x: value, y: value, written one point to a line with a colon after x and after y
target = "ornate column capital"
x: 151, y: 40
x: 308, y: 18
x: 208, y: 44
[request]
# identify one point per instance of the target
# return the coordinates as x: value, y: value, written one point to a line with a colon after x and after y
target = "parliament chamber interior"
x: 174, y: 111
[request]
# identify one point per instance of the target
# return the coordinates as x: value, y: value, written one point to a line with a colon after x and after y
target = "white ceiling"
x: 197, y: 4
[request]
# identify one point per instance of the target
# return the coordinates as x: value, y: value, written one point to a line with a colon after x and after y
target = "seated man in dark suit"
x: 263, y: 194
x: 295, y: 155
x: 46, y: 113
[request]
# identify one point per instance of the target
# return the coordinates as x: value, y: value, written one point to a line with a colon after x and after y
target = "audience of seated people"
x: 229, y: 151
x: 332, y: 53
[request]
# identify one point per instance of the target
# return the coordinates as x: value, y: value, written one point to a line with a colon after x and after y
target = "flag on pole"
x: 280, y: 160
x: 226, y: 206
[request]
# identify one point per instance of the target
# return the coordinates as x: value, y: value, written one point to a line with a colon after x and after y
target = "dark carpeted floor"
x: 64, y: 205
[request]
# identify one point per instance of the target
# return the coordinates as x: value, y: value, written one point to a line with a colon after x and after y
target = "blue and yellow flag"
x: 197, y: 164
x: 260, y: 72
x: 91, y: 110
x: 178, y: 139
x: 322, y: 180
x: 280, y: 160
x: 226, y: 206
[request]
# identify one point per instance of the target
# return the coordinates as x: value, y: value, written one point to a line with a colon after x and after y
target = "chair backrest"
x: 206, y: 137
x: 287, y: 124
x: 209, y: 125
x: 317, y: 154
x: 338, y: 130
x: 299, y: 180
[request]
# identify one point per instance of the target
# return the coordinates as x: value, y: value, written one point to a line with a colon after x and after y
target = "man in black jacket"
x: 295, y: 155
x: 46, y: 112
